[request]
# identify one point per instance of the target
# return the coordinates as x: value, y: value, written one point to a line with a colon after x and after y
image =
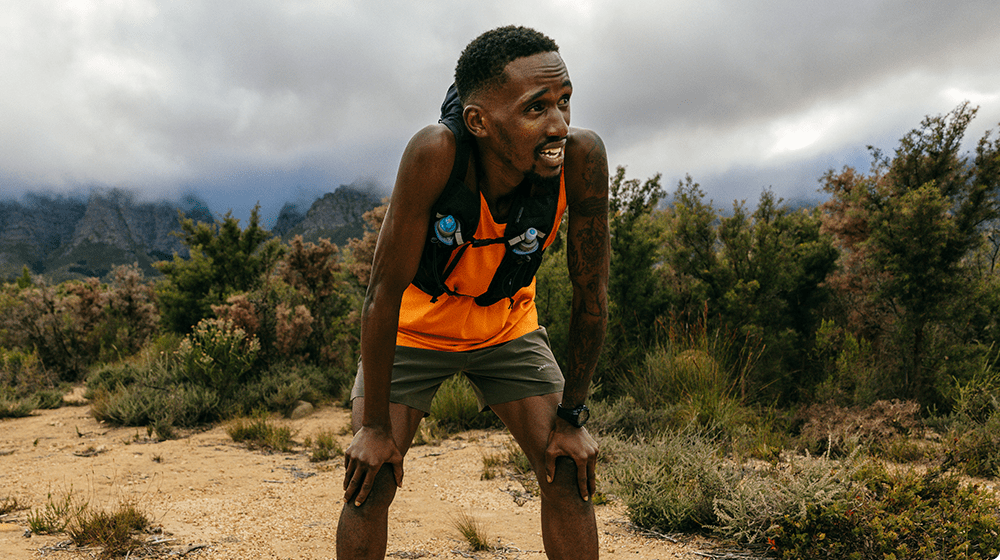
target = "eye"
x: 564, y: 100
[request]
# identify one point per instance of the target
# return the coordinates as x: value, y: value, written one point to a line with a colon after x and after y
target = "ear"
x: 475, y: 120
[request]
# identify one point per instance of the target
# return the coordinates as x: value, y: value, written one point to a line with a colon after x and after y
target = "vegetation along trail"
x: 209, y: 497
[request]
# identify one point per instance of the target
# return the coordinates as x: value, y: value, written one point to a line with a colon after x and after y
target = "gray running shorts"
x: 523, y: 367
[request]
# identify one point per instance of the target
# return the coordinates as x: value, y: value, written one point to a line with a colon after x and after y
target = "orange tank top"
x: 456, y: 323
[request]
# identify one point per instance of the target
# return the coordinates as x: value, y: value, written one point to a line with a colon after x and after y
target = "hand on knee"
x: 564, y: 487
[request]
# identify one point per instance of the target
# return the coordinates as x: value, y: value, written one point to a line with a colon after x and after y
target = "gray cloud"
x: 259, y: 98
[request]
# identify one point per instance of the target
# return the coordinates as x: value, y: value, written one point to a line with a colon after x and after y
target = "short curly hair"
x: 482, y: 63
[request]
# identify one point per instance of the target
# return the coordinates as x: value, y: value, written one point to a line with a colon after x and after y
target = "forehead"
x: 530, y: 75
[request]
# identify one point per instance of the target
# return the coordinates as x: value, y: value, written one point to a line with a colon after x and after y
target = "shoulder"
x: 584, y: 140
x: 432, y: 144
x: 426, y: 163
x: 586, y: 165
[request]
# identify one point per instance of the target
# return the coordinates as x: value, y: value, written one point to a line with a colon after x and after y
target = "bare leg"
x: 362, y: 531
x: 569, y: 527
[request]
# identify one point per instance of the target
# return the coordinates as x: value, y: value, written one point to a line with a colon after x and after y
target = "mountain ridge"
x: 64, y: 238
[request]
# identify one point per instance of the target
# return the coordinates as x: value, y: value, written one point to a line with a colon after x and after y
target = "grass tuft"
x: 473, y: 531
x: 113, y: 531
x: 258, y: 433
x: 56, y: 515
x: 10, y: 504
x: 324, y: 447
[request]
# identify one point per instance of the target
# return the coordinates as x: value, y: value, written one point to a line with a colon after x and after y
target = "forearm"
x: 587, y: 257
x: 588, y: 325
x: 379, y: 322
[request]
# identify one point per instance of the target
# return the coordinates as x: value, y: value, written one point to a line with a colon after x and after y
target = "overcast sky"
x: 280, y: 100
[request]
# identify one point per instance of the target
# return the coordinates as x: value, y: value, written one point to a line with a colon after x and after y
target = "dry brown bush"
x: 829, y: 428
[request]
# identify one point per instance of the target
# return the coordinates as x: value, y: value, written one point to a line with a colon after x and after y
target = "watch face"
x: 577, y: 416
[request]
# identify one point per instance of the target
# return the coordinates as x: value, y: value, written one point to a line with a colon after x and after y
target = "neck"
x: 497, y: 185
x: 494, y: 180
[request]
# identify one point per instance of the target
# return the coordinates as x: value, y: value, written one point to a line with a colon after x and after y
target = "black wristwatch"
x: 576, y: 416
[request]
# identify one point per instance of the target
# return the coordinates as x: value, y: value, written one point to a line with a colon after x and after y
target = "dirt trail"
x: 215, y: 499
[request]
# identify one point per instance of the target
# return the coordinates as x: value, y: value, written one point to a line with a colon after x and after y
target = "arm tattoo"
x: 587, y: 257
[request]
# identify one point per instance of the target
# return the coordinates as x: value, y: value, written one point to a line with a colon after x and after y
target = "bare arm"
x: 588, y: 255
x: 423, y: 173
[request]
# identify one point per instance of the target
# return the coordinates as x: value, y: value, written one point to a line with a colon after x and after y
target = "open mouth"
x: 553, y: 155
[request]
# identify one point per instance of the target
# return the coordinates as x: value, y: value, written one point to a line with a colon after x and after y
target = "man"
x: 476, y: 201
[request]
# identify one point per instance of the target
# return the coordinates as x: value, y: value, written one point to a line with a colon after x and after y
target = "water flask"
x: 529, y: 242
x: 445, y: 229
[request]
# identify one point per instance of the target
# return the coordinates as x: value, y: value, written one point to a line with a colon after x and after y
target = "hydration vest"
x: 455, y: 218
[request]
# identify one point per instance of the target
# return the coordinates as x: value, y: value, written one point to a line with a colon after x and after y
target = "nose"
x: 558, y: 123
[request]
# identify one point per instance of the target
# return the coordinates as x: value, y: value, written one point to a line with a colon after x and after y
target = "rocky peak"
x: 337, y: 216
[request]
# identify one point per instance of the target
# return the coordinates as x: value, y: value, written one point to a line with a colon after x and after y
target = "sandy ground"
x: 212, y: 498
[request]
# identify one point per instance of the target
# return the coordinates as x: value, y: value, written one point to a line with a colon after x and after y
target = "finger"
x: 349, y: 468
x: 366, y: 487
x: 550, y: 467
x: 583, y: 479
x: 397, y: 469
x: 592, y: 476
x: 353, y: 485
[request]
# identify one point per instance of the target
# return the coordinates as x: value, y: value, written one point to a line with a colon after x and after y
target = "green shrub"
x: 974, y: 448
x: 896, y: 515
x: 217, y: 354
x: 768, y: 495
x: 669, y: 483
x: 48, y: 399
x: 681, y: 481
x: 283, y: 385
x: 855, y: 371
x: 624, y: 418
x: 695, y: 374
x: 159, y: 406
x: 972, y: 438
x: 324, y: 447
x: 13, y: 407
x: 25, y: 385
x: 159, y: 390
x: 109, y: 377
x: 258, y: 433
x: 673, y: 374
x: 213, y: 374
x: 456, y: 409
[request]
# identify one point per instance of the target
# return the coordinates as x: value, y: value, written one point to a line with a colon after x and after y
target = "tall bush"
x: 224, y: 260
x: 78, y: 323
x: 907, y: 231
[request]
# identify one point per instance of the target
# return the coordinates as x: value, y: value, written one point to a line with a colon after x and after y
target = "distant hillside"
x: 33, y: 229
x: 64, y: 238
x: 337, y: 216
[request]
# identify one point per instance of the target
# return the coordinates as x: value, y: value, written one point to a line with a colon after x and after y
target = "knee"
x: 564, y: 490
x: 378, y: 500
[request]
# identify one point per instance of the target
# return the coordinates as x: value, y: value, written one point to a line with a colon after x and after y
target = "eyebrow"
x: 543, y: 91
